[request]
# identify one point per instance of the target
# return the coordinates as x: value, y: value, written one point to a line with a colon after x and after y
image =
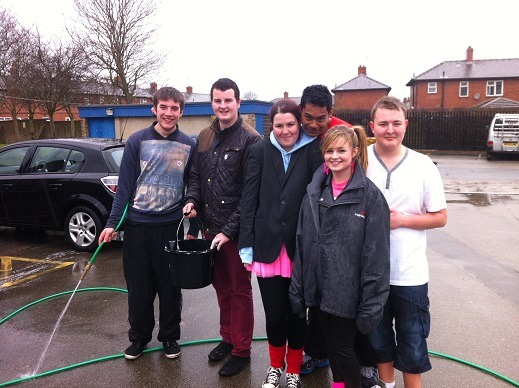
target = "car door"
x: 42, y: 188
x: 11, y: 162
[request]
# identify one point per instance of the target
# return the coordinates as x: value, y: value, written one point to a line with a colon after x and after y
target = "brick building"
x: 359, y: 93
x: 466, y: 83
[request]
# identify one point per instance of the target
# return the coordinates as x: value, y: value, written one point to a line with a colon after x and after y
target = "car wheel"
x: 489, y: 156
x: 82, y: 228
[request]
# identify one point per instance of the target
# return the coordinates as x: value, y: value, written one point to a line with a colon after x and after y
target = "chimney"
x: 189, y: 90
x: 285, y: 95
x: 153, y: 87
x: 362, y: 70
x: 470, y: 54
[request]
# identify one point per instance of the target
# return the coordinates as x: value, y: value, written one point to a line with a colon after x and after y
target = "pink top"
x: 282, y: 266
x: 338, y: 187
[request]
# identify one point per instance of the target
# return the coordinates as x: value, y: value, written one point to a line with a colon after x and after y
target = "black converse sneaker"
x: 273, y: 377
x: 134, y: 350
x: 293, y: 380
x: 171, y: 349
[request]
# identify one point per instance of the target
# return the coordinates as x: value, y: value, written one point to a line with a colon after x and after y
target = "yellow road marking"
x: 58, y: 265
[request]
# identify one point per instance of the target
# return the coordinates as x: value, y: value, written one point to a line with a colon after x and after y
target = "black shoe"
x: 368, y: 377
x: 234, y: 366
x: 220, y: 352
x: 134, y: 350
x: 171, y: 349
x: 310, y: 363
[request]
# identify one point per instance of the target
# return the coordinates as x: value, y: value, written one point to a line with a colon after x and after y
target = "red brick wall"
x: 357, y: 99
x: 420, y: 99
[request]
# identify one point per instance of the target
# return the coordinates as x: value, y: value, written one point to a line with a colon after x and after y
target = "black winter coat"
x: 272, y: 198
x: 342, y: 251
x: 216, y: 176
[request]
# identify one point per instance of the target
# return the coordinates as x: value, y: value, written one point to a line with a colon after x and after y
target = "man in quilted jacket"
x: 214, y: 192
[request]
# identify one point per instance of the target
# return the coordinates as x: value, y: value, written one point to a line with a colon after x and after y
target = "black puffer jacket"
x: 216, y: 176
x: 342, y: 251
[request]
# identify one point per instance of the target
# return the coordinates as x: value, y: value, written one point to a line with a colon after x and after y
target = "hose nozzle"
x: 87, y: 268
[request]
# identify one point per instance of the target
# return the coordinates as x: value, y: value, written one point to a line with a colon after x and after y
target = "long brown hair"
x: 355, y: 136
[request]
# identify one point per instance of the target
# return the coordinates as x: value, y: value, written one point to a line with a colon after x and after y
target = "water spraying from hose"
x: 87, y: 268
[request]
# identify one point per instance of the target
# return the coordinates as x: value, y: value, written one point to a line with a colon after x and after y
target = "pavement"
x: 473, y: 289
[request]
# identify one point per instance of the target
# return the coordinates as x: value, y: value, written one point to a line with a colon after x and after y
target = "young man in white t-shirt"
x: 414, y: 192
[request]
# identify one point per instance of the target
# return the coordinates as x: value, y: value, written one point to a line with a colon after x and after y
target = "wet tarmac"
x: 474, y: 264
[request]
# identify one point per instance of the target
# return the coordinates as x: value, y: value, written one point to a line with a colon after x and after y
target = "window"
x: 75, y: 161
x: 49, y: 159
x: 432, y: 88
x: 11, y: 160
x: 494, y: 88
x: 464, y: 88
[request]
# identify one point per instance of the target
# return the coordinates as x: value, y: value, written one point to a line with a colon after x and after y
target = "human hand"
x: 396, y: 219
x: 107, y: 235
x: 190, y: 237
x: 219, y: 240
x: 189, y: 210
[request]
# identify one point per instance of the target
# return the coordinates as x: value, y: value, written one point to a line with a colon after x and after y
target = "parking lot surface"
x: 474, y: 264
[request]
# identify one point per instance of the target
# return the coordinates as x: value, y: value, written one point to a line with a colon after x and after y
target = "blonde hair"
x: 354, y: 136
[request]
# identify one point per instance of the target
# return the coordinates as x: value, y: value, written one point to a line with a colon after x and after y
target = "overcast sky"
x: 272, y: 46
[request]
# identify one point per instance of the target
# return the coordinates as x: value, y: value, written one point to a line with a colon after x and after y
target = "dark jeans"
x: 405, y: 343
x: 146, y: 270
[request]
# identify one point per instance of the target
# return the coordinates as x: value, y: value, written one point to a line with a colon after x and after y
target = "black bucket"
x: 190, y: 263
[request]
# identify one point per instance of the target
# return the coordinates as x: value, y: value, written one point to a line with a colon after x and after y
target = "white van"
x: 503, y: 135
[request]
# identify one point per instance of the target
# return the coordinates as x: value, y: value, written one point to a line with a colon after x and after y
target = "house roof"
x: 197, y: 97
x: 297, y: 100
x: 478, y: 69
x: 499, y: 102
x: 361, y: 82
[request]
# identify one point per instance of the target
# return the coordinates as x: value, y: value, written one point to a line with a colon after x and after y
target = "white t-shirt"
x: 414, y: 186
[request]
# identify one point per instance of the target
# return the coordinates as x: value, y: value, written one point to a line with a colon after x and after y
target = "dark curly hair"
x: 317, y: 95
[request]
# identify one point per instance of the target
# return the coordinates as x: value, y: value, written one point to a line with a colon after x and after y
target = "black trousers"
x: 282, y: 324
x: 315, y: 345
x: 339, y: 337
x: 146, y: 270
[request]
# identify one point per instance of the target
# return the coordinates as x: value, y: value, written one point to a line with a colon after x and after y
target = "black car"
x: 60, y: 184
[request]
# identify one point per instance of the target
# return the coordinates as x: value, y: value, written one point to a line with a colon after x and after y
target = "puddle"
x: 480, y: 199
x: 16, y: 270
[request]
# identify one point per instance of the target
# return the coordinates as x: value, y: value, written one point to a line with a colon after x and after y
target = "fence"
x: 443, y: 130
x: 41, y: 127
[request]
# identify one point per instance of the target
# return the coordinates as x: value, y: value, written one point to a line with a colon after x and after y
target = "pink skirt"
x: 282, y: 266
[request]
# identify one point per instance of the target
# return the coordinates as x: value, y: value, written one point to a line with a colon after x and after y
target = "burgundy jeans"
x: 232, y: 283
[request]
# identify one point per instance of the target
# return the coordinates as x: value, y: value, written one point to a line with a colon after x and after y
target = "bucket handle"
x: 181, y: 223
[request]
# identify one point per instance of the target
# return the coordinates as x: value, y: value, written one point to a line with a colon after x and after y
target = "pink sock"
x: 338, y: 385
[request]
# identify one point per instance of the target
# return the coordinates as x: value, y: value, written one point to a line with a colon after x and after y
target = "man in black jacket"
x: 214, y: 191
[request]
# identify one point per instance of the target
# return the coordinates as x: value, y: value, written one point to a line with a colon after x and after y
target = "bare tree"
x: 57, y: 74
x: 250, y: 96
x: 118, y: 36
x: 13, y: 65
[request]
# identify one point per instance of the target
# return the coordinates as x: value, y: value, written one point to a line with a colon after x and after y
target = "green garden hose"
x: 189, y: 343
x: 94, y: 256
